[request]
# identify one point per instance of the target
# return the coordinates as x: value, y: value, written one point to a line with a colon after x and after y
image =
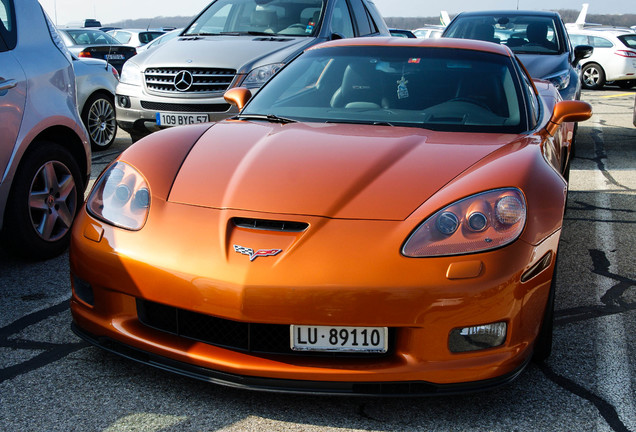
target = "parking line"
x: 617, y: 95
x: 612, y: 358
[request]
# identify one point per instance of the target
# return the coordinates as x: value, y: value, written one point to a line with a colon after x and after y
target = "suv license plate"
x: 174, y: 119
x: 338, y: 339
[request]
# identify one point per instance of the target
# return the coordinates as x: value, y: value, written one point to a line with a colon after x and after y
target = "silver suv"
x: 44, y: 148
x: 231, y: 43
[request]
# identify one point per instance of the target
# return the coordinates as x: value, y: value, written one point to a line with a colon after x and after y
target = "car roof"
x: 510, y: 12
x: 468, y: 44
x: 602, y: 31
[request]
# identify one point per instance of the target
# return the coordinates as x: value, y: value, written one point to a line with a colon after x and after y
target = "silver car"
x: 96, y: 81
x: 231, y: 43
x: 44, y: 149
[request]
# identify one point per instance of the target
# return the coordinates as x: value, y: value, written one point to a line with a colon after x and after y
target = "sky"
x: 108, y: 11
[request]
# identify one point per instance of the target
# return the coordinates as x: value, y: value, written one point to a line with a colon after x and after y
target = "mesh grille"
x: 190, y: 108
x: 204, y: 80
x: 261, y: 338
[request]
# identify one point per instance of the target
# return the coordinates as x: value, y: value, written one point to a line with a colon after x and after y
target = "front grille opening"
x: 270, y: 225
x: 235, y: 335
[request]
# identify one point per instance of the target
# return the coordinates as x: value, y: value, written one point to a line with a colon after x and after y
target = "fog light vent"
x: 83, y: 290
x: 477, y: 337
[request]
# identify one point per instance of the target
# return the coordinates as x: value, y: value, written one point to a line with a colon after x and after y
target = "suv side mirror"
x: 238, y: 96
x: 581, y: 52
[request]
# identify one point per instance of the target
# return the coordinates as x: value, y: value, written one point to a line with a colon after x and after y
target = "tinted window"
x: 341, y: 19
x: 599, y: 42
x: 7, y: 25
x: 363, y: 20
x: 628, y: 40
x: 441, y: 89
x: 578, y: 39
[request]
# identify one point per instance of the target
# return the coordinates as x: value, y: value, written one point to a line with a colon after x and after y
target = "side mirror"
x: 581, y: 52
x: 336, y: 36
x: 238, y: 96
x: 568, y: 111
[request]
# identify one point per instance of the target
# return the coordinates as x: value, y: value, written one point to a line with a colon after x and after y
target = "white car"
x: 135, y: 37
x: 613, y: 59
x: 429, y: 31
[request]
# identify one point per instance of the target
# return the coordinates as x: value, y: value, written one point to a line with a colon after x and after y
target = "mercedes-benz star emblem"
x: 183, y: 81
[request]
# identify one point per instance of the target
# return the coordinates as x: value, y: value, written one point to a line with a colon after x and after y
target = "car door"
x: 12, y: 86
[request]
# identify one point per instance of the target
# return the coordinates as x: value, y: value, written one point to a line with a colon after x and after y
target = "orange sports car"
x: 382, y: 217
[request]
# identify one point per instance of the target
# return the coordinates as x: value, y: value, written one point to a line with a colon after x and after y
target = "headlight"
x: 120, y: 198
x: 259, y: 76
x: 478, y: 223
x: 131, y: 74
x: 560, y: 80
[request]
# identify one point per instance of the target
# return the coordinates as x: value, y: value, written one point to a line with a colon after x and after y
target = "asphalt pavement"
x: 52, y: 381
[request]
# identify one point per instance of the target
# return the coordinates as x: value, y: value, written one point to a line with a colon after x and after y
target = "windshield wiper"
x: 269, y: 117
x: 364, y: 122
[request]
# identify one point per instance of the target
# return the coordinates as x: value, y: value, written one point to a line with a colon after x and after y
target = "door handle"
x: 8, y: 84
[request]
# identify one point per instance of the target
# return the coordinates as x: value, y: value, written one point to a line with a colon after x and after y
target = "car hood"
x: 544, y: 65
x: 231, y: 52
x: 328, y: 170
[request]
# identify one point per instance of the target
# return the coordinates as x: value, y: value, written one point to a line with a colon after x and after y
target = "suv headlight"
x: 560, y: 80
x: 131, y: 74
x: 121, y: 197
x: 475, y: 224
x: 259, y: 76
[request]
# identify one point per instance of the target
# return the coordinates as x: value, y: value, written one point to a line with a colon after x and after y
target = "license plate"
x: 339, y: 339
x: 114, y: 57
x: 174, y: 119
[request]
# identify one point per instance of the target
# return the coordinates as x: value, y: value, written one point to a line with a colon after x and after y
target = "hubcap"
x: 101, y: 122
x: 52, y: 201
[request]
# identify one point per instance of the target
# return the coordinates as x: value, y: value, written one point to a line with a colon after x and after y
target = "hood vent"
x: 270, y: 225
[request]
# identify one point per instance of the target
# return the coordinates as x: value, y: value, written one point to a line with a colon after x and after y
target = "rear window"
x: 628, y: 40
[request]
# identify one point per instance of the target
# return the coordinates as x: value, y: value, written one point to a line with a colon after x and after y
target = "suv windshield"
x: 523, y: 34
x: 434, y: 88
x: 268, y: 17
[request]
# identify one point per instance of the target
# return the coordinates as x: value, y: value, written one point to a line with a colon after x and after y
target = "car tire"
x: 99, y: 118
x: 592, y: 76
x: 543, y: 343
x: 46, y: 195
x: 626, y: 84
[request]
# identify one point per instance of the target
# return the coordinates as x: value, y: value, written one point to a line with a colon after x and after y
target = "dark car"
x: 92, y: 43
x: 539, y: 39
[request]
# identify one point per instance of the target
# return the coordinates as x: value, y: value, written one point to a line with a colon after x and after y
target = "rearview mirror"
x: 238, y: 96
x: 568, y: 111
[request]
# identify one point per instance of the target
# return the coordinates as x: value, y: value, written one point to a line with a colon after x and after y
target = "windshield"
x: 523, y: 34
x: 91, y: 37
x: 267, y: 17
x: 434, y: 88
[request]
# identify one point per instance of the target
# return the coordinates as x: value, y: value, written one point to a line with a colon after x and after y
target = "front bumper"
x: 136, y: 110
x: 194, y: 268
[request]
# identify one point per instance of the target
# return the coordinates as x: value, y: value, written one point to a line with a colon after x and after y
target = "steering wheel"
x: 472, y: 101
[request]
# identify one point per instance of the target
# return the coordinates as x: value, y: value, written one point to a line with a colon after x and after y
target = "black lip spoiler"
x: 332, y: 388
